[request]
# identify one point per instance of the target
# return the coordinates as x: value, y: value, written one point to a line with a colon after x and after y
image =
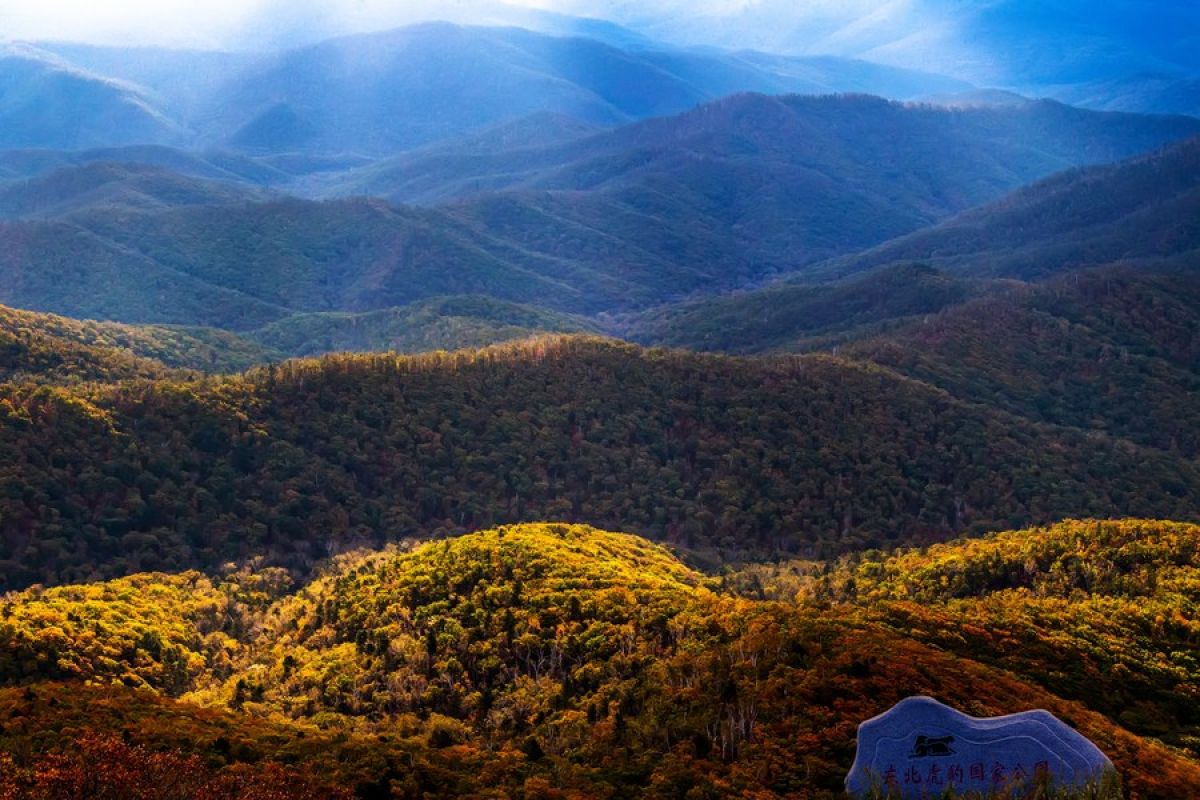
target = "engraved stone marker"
x: 921, y: 747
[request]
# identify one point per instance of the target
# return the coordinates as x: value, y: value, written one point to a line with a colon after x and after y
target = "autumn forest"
x: 586, y: 400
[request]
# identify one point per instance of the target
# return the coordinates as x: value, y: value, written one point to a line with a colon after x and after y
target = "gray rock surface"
x: 921, y: 747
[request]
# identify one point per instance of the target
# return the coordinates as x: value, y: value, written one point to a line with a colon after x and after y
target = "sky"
x: 202, y: 23
x: 1015, y: 43
x: 225, y: 23
x: 209, y: 23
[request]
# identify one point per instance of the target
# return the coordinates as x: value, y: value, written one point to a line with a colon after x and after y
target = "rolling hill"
x: 25, y: 164
x: 47, y: 103
x: 118, y: 189
x: 52, y: 349
x: 59, y: 267
x: 549, y: 658
x: 294, y: 462
x: 46, y: 348
x: 1107, y: 350
x: 1143, y: 209
x: 354, y: 255
x: 792, y: 317
x: 731, y: 193
x: 445, y: 323
x: 1113, y: 351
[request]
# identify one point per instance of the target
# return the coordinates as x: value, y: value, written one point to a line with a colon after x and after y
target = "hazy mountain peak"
x: 47, y: 102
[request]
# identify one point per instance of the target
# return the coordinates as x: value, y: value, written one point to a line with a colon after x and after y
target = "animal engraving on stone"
x: 932, y: 747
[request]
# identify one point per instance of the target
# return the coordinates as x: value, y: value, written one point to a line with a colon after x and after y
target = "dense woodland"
x: 1120, y: 595
x: 933, y: 407
x: 810, y: 456
x: 1114, y: 351
x: 562, y: 661
x: 220, y: 591
x: 45, y: 348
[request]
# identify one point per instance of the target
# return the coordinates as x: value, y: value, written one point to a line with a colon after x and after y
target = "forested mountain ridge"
x: 1110, y: 349
x: 298, y: 461
x: 116, y: 187
x: 792, y: 317
x: 441, y: 323
x: 729, y: 193
x: 48, y: 103
x: 1114, y: 350
x: 985, y: 151
x: 1142, y: 209
x: 538, y: 661
x: 45, y: 348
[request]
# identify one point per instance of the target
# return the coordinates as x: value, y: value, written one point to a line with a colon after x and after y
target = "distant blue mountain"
x: 378, y: 94
x: 1016, y: 43
x: 115, y: 187
x: 727, y: 194
x: 47, y: 103
x: 381, y: 93
x: 1154, y: 93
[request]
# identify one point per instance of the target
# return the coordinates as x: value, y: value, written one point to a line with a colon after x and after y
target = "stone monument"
x: 921, y: 747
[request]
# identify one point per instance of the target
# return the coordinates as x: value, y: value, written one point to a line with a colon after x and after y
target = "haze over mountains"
x: 732, y: 192
x: 378, y: 93
x: 1022, y: 44
x: 822, y: 305
x: 458, y: 184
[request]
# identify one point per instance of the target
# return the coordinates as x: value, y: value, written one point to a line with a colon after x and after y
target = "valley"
x: 516, y: 404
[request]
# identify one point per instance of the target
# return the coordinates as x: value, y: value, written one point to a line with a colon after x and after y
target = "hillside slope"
x: 1109, y: 350
x: 785, y: 317
x: 48, y: 348
x: 49, y: 103
x: 530, y: 660
x: 1142, y: 209
x: 730, y: 193
x: 444, y: 323
x: 358, y: 255
x: 1116, y: 596
x: 984, y: 151
x: 118, y: 189
x: 292, y: 463
x: 1113, y: 351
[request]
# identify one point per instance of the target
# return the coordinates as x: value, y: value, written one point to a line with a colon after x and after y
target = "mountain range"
x: 320, y: 360
x: 49, y: 103
x: 993, y: 42
x: 730, y: 193
x: 375, y: 94
x: 1140, y: 213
